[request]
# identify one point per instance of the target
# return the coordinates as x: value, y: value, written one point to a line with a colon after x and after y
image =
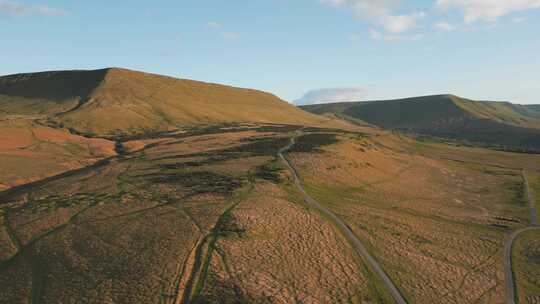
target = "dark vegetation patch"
x: 119, y: 148
x: 227, y: 226
x: 518, y: 142
x: 354, y: 134
x: 196, y: 163
x: 325, y: 130
x: 261, y: 146
x: 313, y: 142
x: 532, y: 253
x: 506, y: 219
x: 420, y: 239
x: 193, y: 131
x: 278, y: 128
x: 145, y: 134
x: 270, y: 172
x: 499, y: 226
x: 198, y: 182
x: 55, y: 202
x: 216, y: 129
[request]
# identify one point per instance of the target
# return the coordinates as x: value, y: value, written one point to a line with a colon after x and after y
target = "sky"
x: 308, y: 51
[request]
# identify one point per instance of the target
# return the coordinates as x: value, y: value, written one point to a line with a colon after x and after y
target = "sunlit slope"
x: 500, y: 124
x: 122, y: 101
x: 503, y: 112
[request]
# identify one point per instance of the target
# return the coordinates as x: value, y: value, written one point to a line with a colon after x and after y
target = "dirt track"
x: 356, y: 243
x: 509, y: 274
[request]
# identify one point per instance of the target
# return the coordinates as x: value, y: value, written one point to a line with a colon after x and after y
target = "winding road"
x: 356, y: 243
x: 509, y: 274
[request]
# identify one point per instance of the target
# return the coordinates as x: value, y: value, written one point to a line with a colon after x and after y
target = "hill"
x: 112, y: 101
x: 500, y: 124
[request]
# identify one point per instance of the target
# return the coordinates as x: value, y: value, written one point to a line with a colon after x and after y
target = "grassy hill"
x: 501, y: 124
x: 111, y: 101
x: 534, y: 109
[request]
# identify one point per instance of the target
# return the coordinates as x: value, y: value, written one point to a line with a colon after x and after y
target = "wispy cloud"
x: 376, y: 35
x: 332, y: 95
x: 214, y: 25
x: 230, y: 36
x: 445, y: 26
x: 225, y: 34
x: 14, y: 9
x: 519, y: 20
x: 487, y: 10
x: 380, y: 13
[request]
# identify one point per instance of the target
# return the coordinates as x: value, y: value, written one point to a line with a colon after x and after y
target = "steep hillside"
x: 535, y: 109
x: 46, y: 92
x: 500, y: 124
x: 122, y: 101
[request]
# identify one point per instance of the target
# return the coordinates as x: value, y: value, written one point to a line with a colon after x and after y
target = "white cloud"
x: 376, y: 35
x: 445, y: 26
x: 487, y: 10
x: 332, y: 95
x: 380, y: 13
x: 12, y: 8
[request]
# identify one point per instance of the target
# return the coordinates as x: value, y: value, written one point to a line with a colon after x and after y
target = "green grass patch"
x: 526, y: 264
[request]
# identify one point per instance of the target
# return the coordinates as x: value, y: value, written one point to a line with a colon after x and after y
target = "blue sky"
x: 322, y: 50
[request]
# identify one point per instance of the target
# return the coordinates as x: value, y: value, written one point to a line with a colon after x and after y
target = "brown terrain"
x: 178, y: 210
x: 29, y: 151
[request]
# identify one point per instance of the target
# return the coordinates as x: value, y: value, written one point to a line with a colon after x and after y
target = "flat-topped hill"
x: 115, y: 100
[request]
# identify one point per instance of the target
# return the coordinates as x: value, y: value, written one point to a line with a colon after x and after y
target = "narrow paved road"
x: 357, y: 244
x: 509, y: 274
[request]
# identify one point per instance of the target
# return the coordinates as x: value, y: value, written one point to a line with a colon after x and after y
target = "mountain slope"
x: 122, y: 101
x: 501, y: 124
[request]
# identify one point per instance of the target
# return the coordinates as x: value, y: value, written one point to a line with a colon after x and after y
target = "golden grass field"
x: 210, y: 215
x: 435, y: 222
x: 207, y: 218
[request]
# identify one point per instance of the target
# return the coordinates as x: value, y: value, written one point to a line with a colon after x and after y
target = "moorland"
x: 126, y: 187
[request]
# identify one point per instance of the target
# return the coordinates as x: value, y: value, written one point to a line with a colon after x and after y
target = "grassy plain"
x: 208, y: 215
x: 526, y: 265
x: 436, y: 225
x: 202, y: 217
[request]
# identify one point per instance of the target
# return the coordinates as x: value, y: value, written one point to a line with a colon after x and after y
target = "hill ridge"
x: 500, y: 124
x: 116, y: 100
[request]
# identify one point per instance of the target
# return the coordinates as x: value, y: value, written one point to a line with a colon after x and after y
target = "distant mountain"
x: 534, y: 108
x: 115, y: 100
x: 501, y: 124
